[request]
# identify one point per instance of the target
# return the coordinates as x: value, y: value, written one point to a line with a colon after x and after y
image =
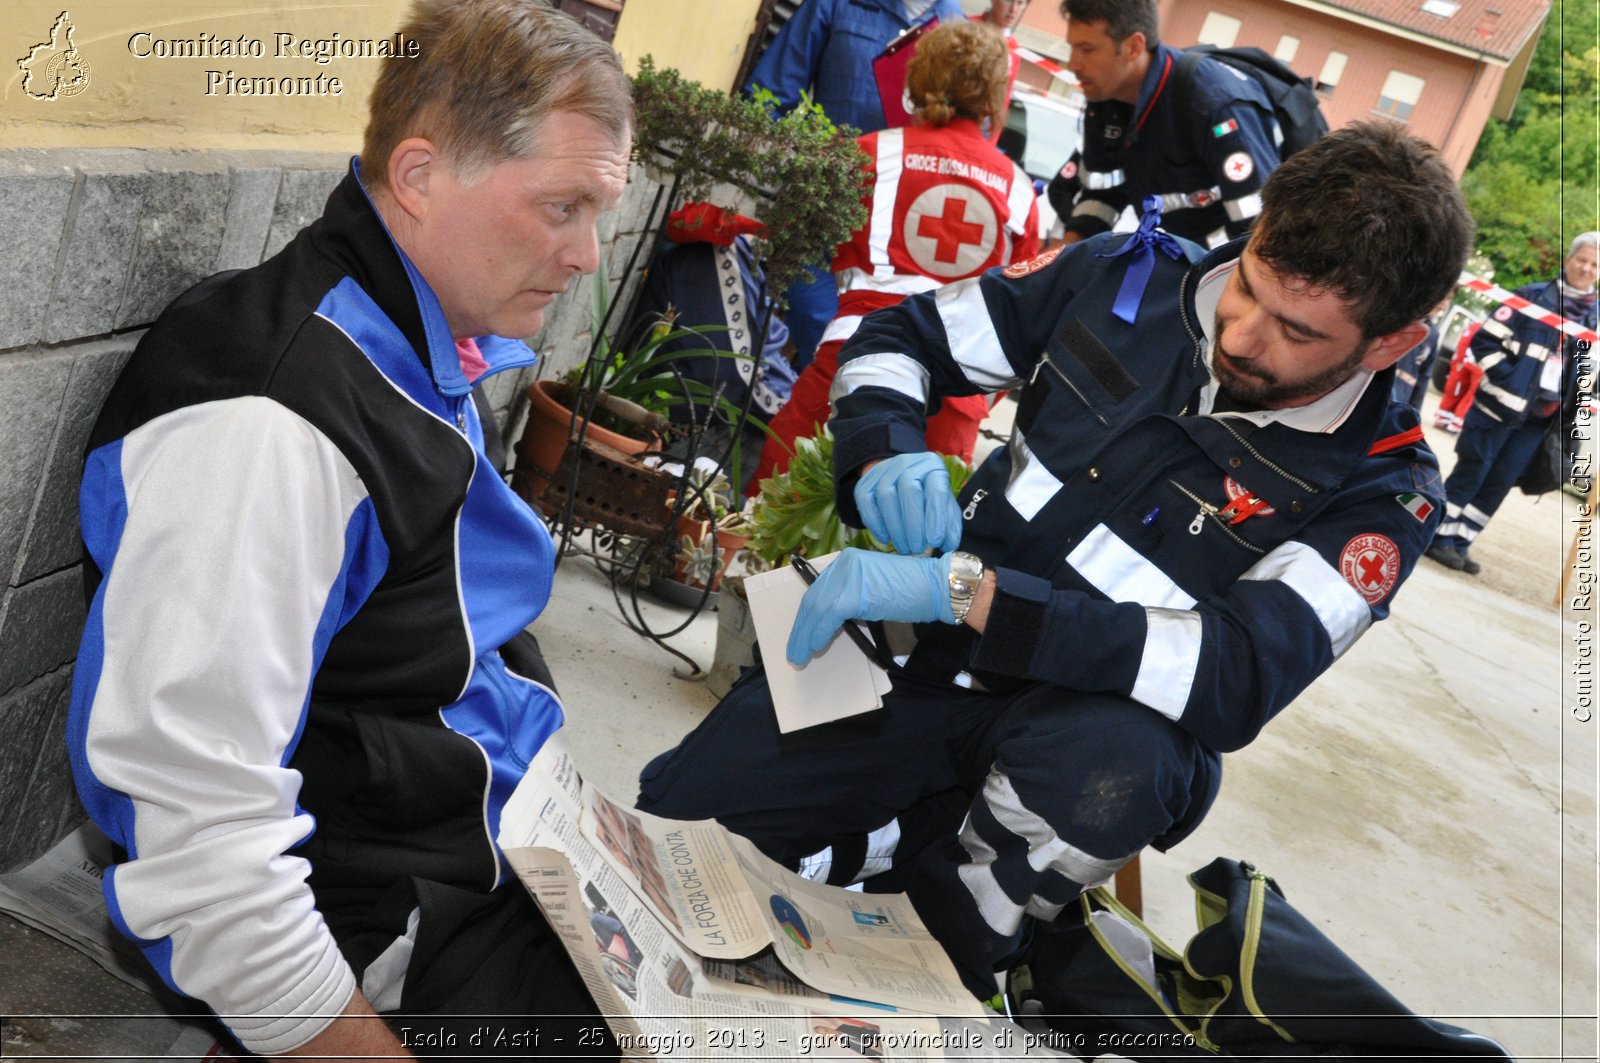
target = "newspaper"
x: 694, y: 944
x: 59, y: 894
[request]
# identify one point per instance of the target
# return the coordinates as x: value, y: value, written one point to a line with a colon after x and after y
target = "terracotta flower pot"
x: 546, y: 436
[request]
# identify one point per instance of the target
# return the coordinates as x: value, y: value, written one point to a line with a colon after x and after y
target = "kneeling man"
x: 1207, y: 500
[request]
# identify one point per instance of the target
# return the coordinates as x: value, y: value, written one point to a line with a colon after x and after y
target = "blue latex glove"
x: 906, y: 501
x: 867, y: 585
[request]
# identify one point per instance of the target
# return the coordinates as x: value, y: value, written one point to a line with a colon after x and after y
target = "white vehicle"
x: 1040, y: 135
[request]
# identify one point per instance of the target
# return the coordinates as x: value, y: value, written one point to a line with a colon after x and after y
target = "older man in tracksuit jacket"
x: 231, y: 738
x: 1169, y: 575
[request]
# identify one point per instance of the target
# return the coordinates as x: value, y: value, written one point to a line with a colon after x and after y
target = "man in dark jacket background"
x: 1206, y: 149
x: 1530, y: 374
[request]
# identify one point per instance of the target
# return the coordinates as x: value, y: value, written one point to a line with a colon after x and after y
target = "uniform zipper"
x: 1044, y: 360
x: 972, y: 507
x: 1197, y: 525
x: 1254, y: 453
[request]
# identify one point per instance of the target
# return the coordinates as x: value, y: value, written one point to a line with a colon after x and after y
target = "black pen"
x: 863, y: 642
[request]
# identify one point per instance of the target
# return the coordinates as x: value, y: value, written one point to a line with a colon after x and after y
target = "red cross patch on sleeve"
x: 1371, y: 564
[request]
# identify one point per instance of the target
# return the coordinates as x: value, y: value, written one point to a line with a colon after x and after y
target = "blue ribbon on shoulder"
x: 1143, y: 245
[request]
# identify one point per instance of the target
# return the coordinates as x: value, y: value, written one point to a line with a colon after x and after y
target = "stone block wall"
x: 93, y: 244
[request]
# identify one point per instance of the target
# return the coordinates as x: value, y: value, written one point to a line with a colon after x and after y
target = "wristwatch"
x: 966, y: 573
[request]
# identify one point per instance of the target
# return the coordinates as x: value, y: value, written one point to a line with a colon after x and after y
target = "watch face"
x: 966, y: 571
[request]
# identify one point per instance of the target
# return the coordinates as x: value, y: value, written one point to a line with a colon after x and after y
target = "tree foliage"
x: 1532, y: 182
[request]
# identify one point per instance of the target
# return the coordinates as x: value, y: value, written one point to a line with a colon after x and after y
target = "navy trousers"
x: 1489, y: 458
x: 989, y: 810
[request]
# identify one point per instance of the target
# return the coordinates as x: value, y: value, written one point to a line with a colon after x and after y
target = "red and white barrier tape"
x: 1049, y: 66
x: 1541, y: 314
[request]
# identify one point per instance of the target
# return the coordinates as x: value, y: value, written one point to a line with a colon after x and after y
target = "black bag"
x: 1547, y: 467
x: 1293, y: 98
x: 1258, y: 981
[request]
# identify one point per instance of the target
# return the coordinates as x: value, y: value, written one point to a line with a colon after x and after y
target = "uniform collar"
x: 1203, y: 289
x: 1162, y: 62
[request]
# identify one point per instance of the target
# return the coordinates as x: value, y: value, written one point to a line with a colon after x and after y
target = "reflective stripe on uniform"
x: 1169, y: 662
x: 1243, y: 207
x: 1048, y: 852
x: 881, y: 845
x: 969, y: 331
x: 881, y: 231
x: 1171, y: 201
x: 1123, y: 574
x: 1100, y: 180
x: 841, y: 328
x: 1031, y: 485
x: 1511, y: 401
x: 1344, y: 614
x: 1497, y: 329
x: 897, y: 372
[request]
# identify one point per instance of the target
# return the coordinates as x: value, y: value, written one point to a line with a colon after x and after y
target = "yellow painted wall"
x: 172, y: 102
x: 125, y: 100
x: 704, y: 39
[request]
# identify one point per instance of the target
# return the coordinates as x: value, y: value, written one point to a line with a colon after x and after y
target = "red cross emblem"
x: 950, y: 231
x: 1238, y: 166
x: 1371, y: 564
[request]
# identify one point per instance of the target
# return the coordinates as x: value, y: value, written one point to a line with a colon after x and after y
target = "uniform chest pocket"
x: 1080, y: 365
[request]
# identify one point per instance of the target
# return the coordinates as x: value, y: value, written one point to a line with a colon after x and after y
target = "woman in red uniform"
x: 943, y: 204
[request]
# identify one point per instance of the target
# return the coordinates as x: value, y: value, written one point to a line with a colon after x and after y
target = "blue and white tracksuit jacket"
x: 1106, y: 518
x: 1206, y: 157
x: 290, y: 665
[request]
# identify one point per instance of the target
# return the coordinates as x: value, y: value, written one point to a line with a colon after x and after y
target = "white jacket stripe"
x: 1169, y: 662
x: 898, y: 372
x: 854, y: 279
x: 1343, y: 612
x: 1096, y: 209
x: 969, y: 330
x: 891, y: 143
x: 174, y: 715
x: 841, y: 328
x: 1019, y: 201
x: 1032, y: 485
x: 1123, y: 574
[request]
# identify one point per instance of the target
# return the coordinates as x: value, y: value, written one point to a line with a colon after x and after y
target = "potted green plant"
x: 710, y: 532
x: 795, y: 512
x: 799, y: 174
x: 631, y: 386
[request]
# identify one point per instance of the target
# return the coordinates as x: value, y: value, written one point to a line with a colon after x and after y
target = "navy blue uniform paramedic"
x: 305, y: 691
x: 1530, y: 374
x: 1206, y: 153
x: 1208, y: 499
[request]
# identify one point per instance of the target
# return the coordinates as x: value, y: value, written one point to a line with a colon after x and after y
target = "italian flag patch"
x: 1416, y: 505
x: 1223, y: 129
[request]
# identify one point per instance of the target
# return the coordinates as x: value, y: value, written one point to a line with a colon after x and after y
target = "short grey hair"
x: 487, y: 74
x: 1588, y: 239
